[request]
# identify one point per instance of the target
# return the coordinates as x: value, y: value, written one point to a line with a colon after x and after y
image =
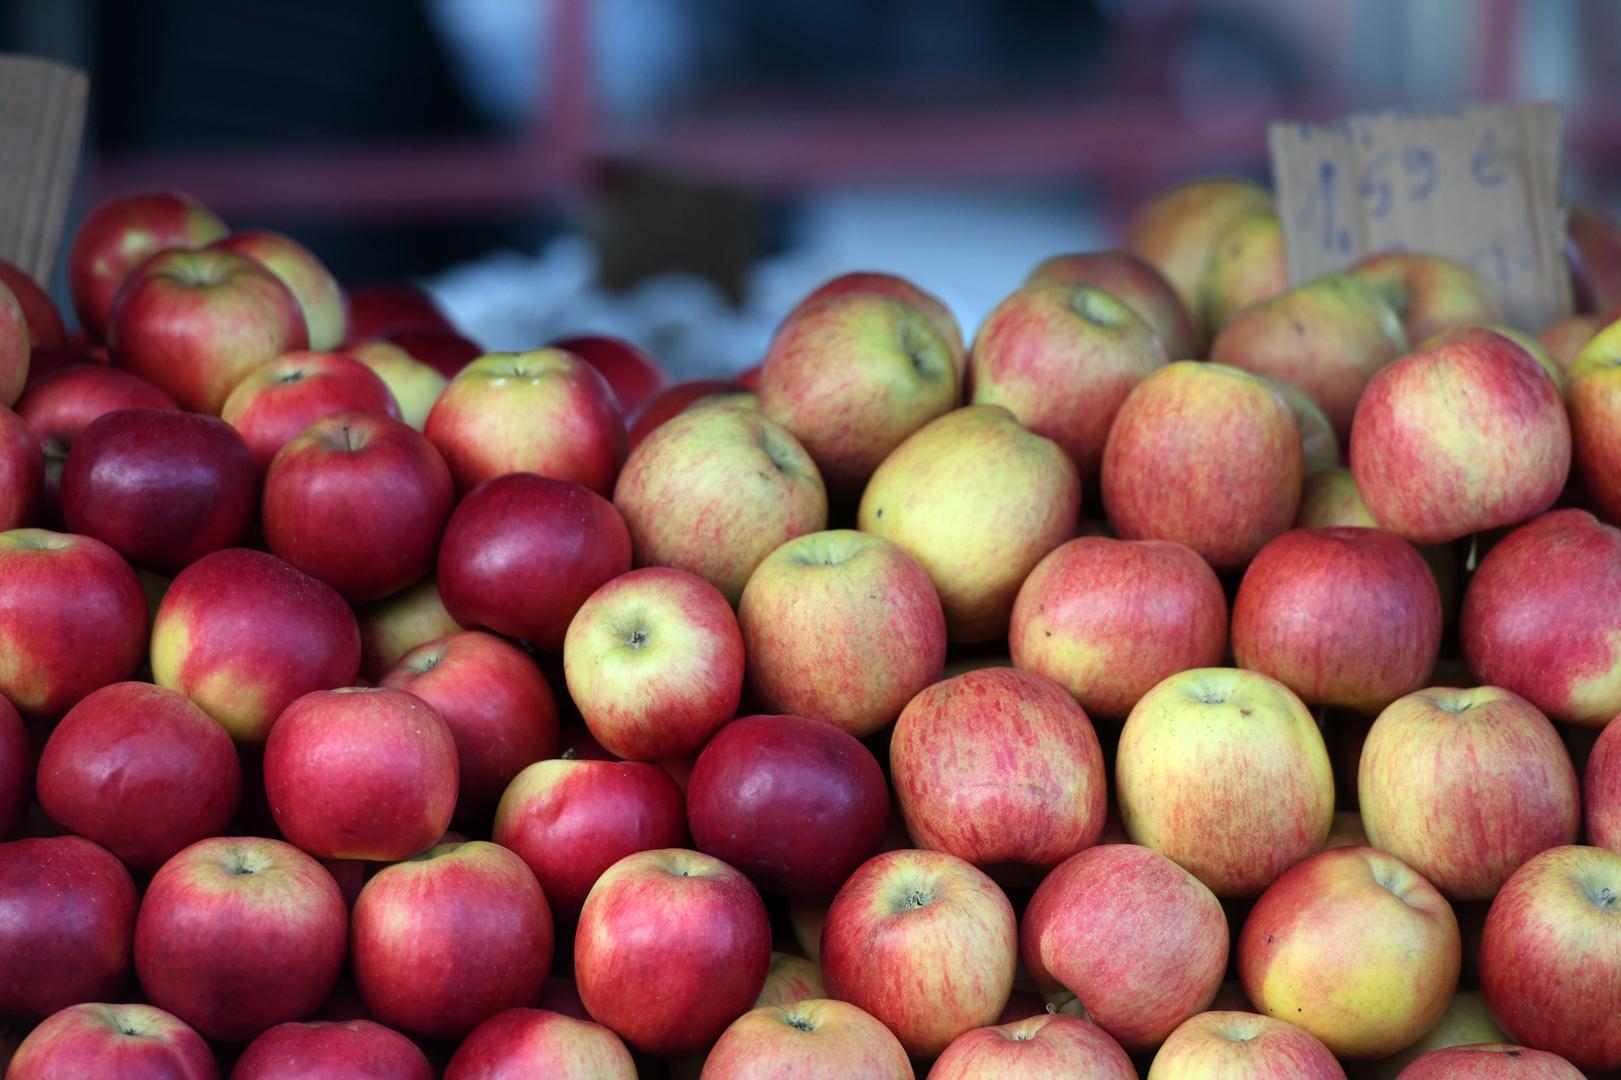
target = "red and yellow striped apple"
x: 539, y: 1042
x: 1045, y: 1045
x: 817, y: 1039
x: 1431, y: 295
x: 1233, y: 1045
x: 131, y: 1042
x: 1134, y: 282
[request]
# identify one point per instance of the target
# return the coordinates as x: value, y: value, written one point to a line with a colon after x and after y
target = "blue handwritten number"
x: 1483, y: 166
x: 1323, y: 193
x: 1419, y: 163
x: 1375, y: 187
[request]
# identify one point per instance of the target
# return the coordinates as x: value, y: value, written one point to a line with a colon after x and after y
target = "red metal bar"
x: 562, y: 125
x: 1499, y: 56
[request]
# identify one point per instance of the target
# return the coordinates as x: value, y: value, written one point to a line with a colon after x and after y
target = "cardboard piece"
x: 42, y: 107
x: 1478, y: 184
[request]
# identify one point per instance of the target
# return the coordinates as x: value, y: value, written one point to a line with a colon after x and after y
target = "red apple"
x: 162, y: 488
x: 496, y: 703
x: 14, y: 348
x: 1108, y: 619
x: 1593, y: 251
x: 445, y: 941
x: 69, y: 916
x: 654, y: 661
x: 98, y: 1042
x: 72, y: 619
x: 444, y: 350
x: 1593, y: 396
x: 1214, y: 1045
x: 670, y: 402
x: 44, y: 361
x: 22, y: 471
x: 238, y: 934
x: 672, y: 947
x: 196, y: 323
x: 632, y: 373
x: 522, y: 552
x: 1175, y: 231
x: 1565, y: 338
x: 1601, y: 790
x: 44, y: 322
x: 284, y: 397
x: 118, y: 235
x: 1134, y: 282
x: 536, y: 1042
x: 351, y: 1049
x: 415, y: 385
x: 358, y: 501
x: 141, y: 771
x: 376, y: 310
x: 817, y: 1039
x: 789, y: 979
x: 570, y: 820
x: 361, y: 774
x: 1504, y: 1061
x: 1430, y: 294
x: 319, y: 296
x: 897, y: 288
x: 1046, y: 1045
x: 16, y: 770
x: 394, y: 625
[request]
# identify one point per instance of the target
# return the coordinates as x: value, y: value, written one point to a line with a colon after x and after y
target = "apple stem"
x: 1473, y: 558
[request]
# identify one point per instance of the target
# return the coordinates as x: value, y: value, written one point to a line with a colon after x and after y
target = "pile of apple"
x: 1061, y: 706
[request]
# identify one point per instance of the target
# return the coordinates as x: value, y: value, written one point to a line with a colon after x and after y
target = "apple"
x: 851, y: 377
x: 1488, y: 1062
x: 44, y: 361
x: 1542, y: 617
x: 1046, y: 1045
x: 1319, y: 446
x: 1246, y: 267
x: 546, y: 411
x: 537, y: 1042
x: 377, y: 310
x: 806, y: 918
x: 14, y: 348
x: 1593, y: 396
x: 1467, y: 1022
x: 1431, y: 295
x: 817, y: 1039
x: 415, y: 385
x: 361, y: 774
x: 1134, y: 282
x: 1205, y: 455
x: 22, y: 471
x: 796, y: 804
x: 715, y: 491
x: 897, y: 288
x: 1062, y: 358
x: 444, y: 350
x: 1593, y: 253
x: 1108, y: 619
x: 1550, y: 955
x: 1564, y: 339
x: 496, y: 703
x: 243, y: 634
x: 196, y: 323
x: 284, y: 397
x: 841, y: 626
x: 1327, y: 337
x: 631, y: 372
x: 352, y: 1049
x: 1136, y: 939
x: 570, y: 820
x: 671, y: 402
x: 353, y: 468
x: 394, y: 625
x: 238, y: 934
x: 445, y: 941
x: 522, y: 552
x: 141, y: 771
x: 1237, y: 827
x: 672, y: 946
x: 16, y: 770
x: 1215, y: 1045
x: 1601, y: 790
x: 978, y: 501
x: 130, y: 1042
x: 69, y: 917
x: 118, y: 235
x: 72, y: 619
x: 924, y: 942
x: 789, y: 979
x: 162, y: 488
x: 44, y: 322
x: 1001, y: 768
x: 319, y: 296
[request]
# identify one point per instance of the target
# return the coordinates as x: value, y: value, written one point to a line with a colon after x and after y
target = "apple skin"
x: 1564, y: 339
x: 1217, y: 1045
x: 1326, y: 337
x: 545, y: 411
x: 1237, y: 828
x: 571, y: 820
x: 496, y: 703
x: 815, y: 1039
x: 118, y: 235
x: 1542, y: 617
x: 1550, y: 956
x: 1206, y: 455
x: 925, y: 943
x: 350, y: 468
x: 632, y: 373
x: 1430, y: 295
x: 1462, y: 435
x: 536, y: 1042
x: 242, y: 633
x: 162, y: 488
x: 16, y: 770
x: 130, y: 1042
x: 1246, y: 267
x: 841, y: 626
x: 1137, y: 939
x: 672, y: 947
x: 1504, y: 1061
x: 1046, y: 1045
x: 44, y: 322
x: 1135, y: 283
x: 351, y: 1049
x: 1355, y: 947
x: 22, y: 471
x: 361, y: 774
x: 196, y: 323
x: 1349, y: 617
x: 141, y: 771
x: 851, y: 377
x: 521, y: 553
x: 70, y: 916
x: 897, y: 288
x: 238, y: 934
x: 1108, y: 619
x: 446, y: 351
x: 1601, y: 790
x: 447, y: 940
x: 394, y: 625
x: 14, y: 348
x: 1001, y: 768
x: 1062, y: 358
x: 72, y: 619
x: 1466, y: 785
x: 1593, y: 397
x: 277, y: 401
x: 319, y: 296
x: 796, y: 804
x: 1467, y: 1022
x: 791, y: 978
x: 714, y: 491
x: 391, y: 307
x: 415, y: 385
x: 671, y: 402
x: 978, y: 501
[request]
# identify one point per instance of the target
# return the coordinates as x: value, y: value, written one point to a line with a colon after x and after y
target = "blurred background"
x: 679, y: 172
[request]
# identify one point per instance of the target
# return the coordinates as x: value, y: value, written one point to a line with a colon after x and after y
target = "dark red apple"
x: 340, y: 1049
x: 446, y: 351
x: 632, y: 372
x: 22, y: 471
x: 118, y: 235
x: 376, y: 310
x: 45, y: 328
x: 16, y: 770
x: 100, y: 1042
x: 45, y: 362
x: 669, y: 402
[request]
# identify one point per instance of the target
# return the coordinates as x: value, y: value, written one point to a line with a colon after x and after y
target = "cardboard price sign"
x: 41, y: 123
x: 1479, y: 185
